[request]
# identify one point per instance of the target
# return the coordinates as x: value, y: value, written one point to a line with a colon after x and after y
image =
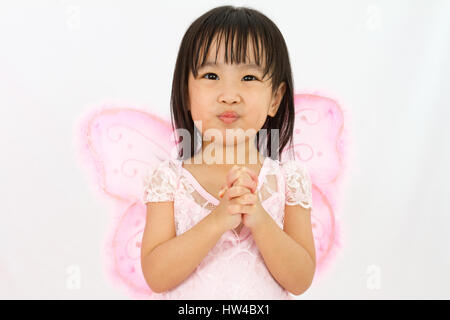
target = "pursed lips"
x: 229, y: 114
x: 228, y: 117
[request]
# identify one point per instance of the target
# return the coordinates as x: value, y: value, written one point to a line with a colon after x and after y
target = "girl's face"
x: 231, y: 87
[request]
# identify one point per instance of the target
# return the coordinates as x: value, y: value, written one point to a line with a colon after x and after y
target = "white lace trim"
x: 160, y: 183
x: 298, y: 184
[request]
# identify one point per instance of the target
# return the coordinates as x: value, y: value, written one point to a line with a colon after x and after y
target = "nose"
x: 229, y: 99
x: 230, y: 94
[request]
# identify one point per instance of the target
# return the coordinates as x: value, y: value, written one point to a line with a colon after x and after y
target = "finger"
x: 246, y: 209
x: 238, y: 208
x: 247, y: 199
x: 236, y: 191
x: 251, y: 173
x: 246, y: 181
x: 234, y: 174
x: 234, y: 209
x: 222, y: 191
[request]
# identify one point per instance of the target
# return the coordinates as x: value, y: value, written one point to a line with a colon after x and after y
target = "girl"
x: 224, y: 221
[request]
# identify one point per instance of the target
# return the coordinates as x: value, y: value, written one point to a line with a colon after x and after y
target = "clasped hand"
x: 240, y: 199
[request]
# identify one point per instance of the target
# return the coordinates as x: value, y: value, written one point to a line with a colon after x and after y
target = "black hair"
x: 237, y: 25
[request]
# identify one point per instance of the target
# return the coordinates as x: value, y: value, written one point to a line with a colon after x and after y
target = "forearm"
x: 288, y: 262
x: 171, y: 262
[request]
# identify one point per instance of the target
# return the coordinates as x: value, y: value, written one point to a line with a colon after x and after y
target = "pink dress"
x: 234, y: 268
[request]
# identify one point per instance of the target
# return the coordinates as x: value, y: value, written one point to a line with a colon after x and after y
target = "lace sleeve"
x: 159, y: 183
x: 298, y: 184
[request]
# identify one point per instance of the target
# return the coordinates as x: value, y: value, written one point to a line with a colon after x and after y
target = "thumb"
x: 222, y: 191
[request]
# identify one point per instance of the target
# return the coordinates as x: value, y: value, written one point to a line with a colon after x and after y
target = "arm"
x: 289, y: 254
x: 167, y: 259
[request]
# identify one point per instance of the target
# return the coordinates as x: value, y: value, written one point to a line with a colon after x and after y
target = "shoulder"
x: 166, y: 167
x: 298, y: 183
x: 294, y: 169
x: 160, y: 181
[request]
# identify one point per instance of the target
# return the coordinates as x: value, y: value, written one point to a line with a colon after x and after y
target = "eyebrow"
x: 242, y: 66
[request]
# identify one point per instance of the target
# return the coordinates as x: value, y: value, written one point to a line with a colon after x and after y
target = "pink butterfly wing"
x: 319, y: 142
x: 118, y: 146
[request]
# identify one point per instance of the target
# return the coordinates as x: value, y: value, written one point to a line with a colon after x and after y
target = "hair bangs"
x: 238, y: 31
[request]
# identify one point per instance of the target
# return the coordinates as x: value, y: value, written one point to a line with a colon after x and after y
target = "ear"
x: 276, y: 100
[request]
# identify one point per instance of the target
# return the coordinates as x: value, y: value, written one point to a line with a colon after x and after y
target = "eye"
x: 208, y: 74
x: 251, y: 76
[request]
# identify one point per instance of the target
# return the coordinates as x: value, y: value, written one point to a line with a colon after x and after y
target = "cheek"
x: 257, y: 114
x: 257, y: 120
x: 195, y: 96
x: 200, y: 106
x: 199, y: 114
x: 202, y: 116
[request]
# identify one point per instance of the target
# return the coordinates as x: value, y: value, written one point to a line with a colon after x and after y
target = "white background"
x: 386, y: 62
